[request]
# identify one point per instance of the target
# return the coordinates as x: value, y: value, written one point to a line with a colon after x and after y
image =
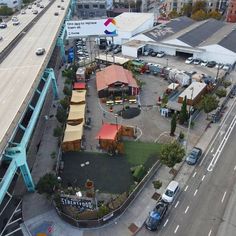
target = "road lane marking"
x: 212, y: 150
x: 221, y: 146
x: 235, y: 168
x: 194, y: 174
x: 203, y: 177
x: 221, y: 126
x: 177, y: 203
x: 186, y: 188
x: 209, y: 234
x: 195, y: 192
x: 176, y: 229
x: 223, y: 198
x: 166, y: 223
x: 186, y: 210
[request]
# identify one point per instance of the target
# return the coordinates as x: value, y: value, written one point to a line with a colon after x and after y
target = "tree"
x: 183, y: 115
x: 47, y: 183
x: 199, y: 15
x: 5, y: 11
x: 173, y: 14
x: 67, y: 91
x: 209, y: 103
x: 199, y: 5
x: 214, y: 14
x: 61, y: 115
x: 173, y: 125
x: 171, y: 154
x: 164, y: 100
x: 65, y: 103
x: 186, y: 10
x: 221, y: 92
x: 57, y: 132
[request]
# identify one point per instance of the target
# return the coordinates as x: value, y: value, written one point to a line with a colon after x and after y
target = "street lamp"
x: 166, y: 62
x: 116, y: 116
x: 190, y: 120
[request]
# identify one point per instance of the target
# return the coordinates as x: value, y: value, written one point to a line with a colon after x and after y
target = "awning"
x: 78, y: 96
x: 76, y: 112
x: 108, y: 131
x: 73, y: 132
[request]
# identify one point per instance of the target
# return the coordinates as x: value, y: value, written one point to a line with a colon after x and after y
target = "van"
x: 170, y: 192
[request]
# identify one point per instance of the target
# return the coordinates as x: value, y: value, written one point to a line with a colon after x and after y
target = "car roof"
x: 173, y: 185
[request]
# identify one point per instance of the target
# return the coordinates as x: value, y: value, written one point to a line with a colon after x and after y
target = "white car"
x: 204, y: 63
x: 16, y: 22
x: 160, y: 54
x: 170, y: 192
x: 23, y: 12
x: 189, y: 60
x: 40, y: 51
x: 226, y: 67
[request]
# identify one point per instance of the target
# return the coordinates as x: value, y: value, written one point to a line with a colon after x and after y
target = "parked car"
x: 156, y: 215
x: 154, y: 54
x: 189, y: 60
x: 150, y: 51
x: 117, y: 50
x: 160, y: 54
x: 40, y: 51
x: 226, y: 67
x: 197, y: 61
x: 204, y: 63
x: 194, y: 156
x: 170, y: 192
x: 211, y: 64
x: 219, y: 65
x: 3, y: 25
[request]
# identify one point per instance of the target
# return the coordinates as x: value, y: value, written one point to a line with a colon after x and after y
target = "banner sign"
x: 83, y: 28
x: 79, y: 203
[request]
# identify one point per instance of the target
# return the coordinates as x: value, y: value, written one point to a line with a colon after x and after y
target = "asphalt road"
x: 201, y: 204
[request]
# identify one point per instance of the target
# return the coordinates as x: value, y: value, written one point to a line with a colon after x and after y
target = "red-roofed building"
x: 115, y: 80
x: 79, y: 86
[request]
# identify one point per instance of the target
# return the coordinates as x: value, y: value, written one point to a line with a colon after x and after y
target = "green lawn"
x: 142, y: 153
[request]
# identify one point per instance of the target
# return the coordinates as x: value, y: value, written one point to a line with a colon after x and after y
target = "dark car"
x: 194, y: 156
x: 150, y: 51
x: 154, y: 54
x: 211, y: 64
x: 156, y: 215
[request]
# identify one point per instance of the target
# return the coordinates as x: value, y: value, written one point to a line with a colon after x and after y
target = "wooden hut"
x: 76, y: 114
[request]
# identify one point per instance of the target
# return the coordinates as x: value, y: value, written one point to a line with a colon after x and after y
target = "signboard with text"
x: 83, y: 28
x: 80, y: 203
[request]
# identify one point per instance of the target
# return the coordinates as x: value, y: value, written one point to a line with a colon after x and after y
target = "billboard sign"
x: 83, y: 28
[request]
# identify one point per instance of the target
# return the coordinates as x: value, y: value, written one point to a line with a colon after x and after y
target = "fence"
x: 116, y: 213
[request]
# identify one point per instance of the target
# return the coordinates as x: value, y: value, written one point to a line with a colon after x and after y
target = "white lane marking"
x: 221, y: 146
x: 166, y: 223
x: 195, y: 192
x: 209, y: 234
x: 194, y: 174
x: 235, y: 168
x: 212, y: 150
x: 176, y: 229
x: 221, y: 126
x: 186, y: 210
x: 177, y: 203
x: 203, y: 177
x: 186, y: 188
x: 223, y: 198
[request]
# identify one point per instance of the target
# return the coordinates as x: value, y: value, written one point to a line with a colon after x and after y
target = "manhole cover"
x: 156, y: 196
x: 133, y: 228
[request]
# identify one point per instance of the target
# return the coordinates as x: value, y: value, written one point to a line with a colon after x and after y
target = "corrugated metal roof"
x: 229, y: 41
x: 201, y: 33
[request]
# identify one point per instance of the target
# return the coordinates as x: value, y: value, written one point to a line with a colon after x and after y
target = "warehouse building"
x: 185, y: 37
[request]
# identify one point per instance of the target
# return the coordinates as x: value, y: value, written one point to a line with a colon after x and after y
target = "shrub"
x: 181, y: 135
x: 57, y: 132
x: 102, y: 211
x: 139, y: 173
x: 226, y: 83
x: 157, y: 184
x: 47, y: 183
x: 67, y: 91
x: 221, y: 92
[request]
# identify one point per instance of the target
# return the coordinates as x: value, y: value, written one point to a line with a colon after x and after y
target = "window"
x: 95, y: 5
x: 86, y: 6
x: 102, y: 6
x: 80, y: 6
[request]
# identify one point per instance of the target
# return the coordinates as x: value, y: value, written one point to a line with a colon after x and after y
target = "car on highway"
x: 194, y: 156
x: 62, y: 8
x: 170, y: 192
x: 189, y: 60
x: 16, y: 22
x: 35, y: 12
x: 41, y: 6
x: 30, y: 7
x: 1, y: 38
x: 156, y: 216
x: 23, y: 12
x: 160, y: 54
x: 40, y: 51
x: 3, y: 25
x: 211, y: 64
x: 56, y: 14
